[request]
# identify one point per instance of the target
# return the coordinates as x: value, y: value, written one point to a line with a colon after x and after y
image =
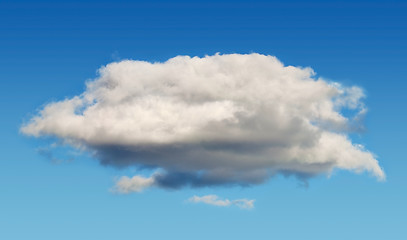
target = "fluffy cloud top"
x: 216, y: 120
x: 216, y: 201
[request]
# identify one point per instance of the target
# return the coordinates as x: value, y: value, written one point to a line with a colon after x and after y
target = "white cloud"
x: 135, y: 184
x: 222, y: 119
x: 214, y: 200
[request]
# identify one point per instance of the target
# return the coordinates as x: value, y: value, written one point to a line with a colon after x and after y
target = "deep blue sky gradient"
x: 49, y: 49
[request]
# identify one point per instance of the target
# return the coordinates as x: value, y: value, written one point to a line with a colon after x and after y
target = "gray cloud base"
x: 216, y: 120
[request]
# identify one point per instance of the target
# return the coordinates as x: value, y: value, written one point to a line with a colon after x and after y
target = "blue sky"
x: 48, y: 50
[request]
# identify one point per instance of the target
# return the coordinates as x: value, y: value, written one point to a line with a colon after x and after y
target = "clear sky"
x: 48, y: 50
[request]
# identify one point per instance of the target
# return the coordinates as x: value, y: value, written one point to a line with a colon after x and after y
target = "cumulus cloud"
x: 216, y: 120
x: 135, y: 184
x: 216, y: 201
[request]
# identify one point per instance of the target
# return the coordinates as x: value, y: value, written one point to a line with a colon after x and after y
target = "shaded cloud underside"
x: 216, y: 120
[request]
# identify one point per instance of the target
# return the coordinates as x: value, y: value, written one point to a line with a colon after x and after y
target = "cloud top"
x: 215, y: 120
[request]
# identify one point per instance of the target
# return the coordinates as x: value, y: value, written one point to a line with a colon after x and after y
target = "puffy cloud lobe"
x: 216, y: 120
x: 216, y: 201
x: 135, y: 184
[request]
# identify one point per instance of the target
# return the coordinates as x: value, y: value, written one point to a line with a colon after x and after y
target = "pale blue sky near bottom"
x: 48, y: 50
